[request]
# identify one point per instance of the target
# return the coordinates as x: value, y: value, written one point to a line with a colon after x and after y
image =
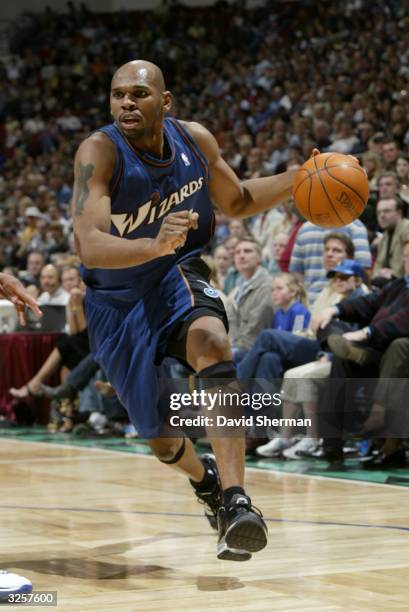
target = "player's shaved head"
x: 141, y: 72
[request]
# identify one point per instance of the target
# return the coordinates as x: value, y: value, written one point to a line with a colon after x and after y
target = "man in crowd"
x: 383, y: 317
x: 306, y: 258
x: 389, y: 261
x: 250, y: 308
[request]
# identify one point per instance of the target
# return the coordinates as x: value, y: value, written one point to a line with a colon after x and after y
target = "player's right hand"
x: 173, y: 232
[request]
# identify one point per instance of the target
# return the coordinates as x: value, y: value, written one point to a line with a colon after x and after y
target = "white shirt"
x: 58, y: 298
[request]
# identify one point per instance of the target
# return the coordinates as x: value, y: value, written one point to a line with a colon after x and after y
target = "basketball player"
x: 142, y: 208
x: 11, y: 289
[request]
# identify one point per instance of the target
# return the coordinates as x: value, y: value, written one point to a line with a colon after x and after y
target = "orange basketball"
x: 331, y: 189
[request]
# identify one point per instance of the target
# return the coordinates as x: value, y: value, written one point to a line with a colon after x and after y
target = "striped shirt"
x: 308, y: 251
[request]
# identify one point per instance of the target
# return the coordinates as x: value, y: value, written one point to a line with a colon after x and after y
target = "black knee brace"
x: 178, y: 455
x: 223, y: 369
x: 223, y: 374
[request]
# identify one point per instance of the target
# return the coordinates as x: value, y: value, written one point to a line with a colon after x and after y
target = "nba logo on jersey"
x: 210, y: 292
x: 185, y: 158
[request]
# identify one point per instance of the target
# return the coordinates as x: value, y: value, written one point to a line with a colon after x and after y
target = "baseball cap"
x: 32, y: 211
x: 350, y: 267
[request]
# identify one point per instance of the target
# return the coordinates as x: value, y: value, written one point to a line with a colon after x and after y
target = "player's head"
x: 139, y: 99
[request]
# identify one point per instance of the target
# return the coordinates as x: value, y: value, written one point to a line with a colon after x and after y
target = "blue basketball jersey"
x: 144, y: 190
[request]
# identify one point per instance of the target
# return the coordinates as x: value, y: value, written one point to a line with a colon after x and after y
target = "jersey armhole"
x: 188, y: 138
x: 115, y: 181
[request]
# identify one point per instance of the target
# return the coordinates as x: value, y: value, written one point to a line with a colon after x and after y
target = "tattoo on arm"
x: 85, y: 173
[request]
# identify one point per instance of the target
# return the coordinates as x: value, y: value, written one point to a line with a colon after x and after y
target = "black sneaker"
x: 211, y: 499
x: 242, y: 530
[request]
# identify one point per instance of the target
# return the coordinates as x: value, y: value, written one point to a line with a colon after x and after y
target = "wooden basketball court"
x: 115, y: 531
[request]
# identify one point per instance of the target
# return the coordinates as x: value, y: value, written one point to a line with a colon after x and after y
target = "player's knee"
x: 165, y: 449
x: 216, y: 347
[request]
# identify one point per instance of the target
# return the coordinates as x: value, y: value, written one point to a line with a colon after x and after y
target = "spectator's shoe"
x: 336, y: 464
x: 305, y: 444
x: 335, y: 461
x: 252, y: 444
x: 383, y: 462
x: 242, y: 530
x: 273, y: 448
x: 341, y: 347
x: 64, y: 391
x: 12, y: 584
x: 310, y: 453
x: 211, y: 499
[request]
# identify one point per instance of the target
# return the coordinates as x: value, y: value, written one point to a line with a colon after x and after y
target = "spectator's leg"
x: 80, y: 376
x: 390, y: 394
x: 50, y: 365
x: 290, y: 350
x: 332, y: 413
x: 290, y: 411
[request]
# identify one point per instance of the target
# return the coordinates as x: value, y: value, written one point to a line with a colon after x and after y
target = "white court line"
x: 268, y: 472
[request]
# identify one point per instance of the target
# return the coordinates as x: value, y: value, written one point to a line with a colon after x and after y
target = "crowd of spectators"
x: 271, y: 84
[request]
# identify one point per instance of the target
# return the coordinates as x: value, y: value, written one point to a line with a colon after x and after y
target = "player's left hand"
x: 11, y: 289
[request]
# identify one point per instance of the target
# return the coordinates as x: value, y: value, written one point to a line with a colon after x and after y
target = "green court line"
x: 399, y: 477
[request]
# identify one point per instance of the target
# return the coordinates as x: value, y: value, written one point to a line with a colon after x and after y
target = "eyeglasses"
x: 342, y: 277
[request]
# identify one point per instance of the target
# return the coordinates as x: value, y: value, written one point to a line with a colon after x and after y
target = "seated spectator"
x: 389, y: 262
x: 221, y: 263
x: 297, y: 221
x: 388, y: 418
x: 306, y: 258
x: 390, y: 153
x: 275, y: 350
x: 238, y: 228
x: 372, y: 165
x: 57, y: 241
x: 277, y: 249
x: 35, y: 263
x: 402, y: 171
x: 345, y: 139
x: 69, y: 350
x: 264, y: 227
x: 32, y: 217
x: 249, y: 305
x: 52, y: 293
x: 388, y: 185
x: 290, y: 300
x: 382, y: 317
x: 300, y: 384
x: 232, y: 277
x: 337, y: 247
